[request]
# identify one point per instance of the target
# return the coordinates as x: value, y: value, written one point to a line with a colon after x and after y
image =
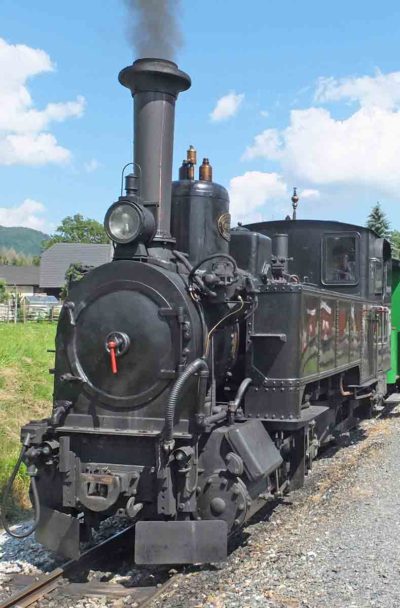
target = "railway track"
x: 119, y: 543
x: 45, y: 584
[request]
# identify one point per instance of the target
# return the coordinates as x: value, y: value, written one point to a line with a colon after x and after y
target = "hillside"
x: 23, y: 240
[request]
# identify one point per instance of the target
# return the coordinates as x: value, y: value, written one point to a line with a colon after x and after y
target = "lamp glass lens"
x: 124, y: 223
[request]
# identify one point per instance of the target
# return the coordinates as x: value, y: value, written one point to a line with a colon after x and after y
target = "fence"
x: 23, y: 313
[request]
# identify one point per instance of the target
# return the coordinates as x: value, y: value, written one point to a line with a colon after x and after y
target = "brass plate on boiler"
x: 224, y: 226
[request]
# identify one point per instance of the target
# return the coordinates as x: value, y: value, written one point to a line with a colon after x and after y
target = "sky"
x: 283, y: 94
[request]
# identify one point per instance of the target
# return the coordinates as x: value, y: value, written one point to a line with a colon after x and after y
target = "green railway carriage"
x: 394, y: 373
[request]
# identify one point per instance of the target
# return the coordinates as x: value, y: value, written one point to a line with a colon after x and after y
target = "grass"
x: 25, y: 393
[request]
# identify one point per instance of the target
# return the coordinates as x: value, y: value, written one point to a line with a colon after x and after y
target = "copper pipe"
x: 342, y: 391
x: 354, y: 395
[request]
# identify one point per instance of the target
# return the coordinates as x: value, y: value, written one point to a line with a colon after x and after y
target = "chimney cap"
x: 157, y: 75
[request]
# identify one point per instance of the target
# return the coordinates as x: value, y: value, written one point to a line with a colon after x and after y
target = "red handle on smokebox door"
x: 112, y: 347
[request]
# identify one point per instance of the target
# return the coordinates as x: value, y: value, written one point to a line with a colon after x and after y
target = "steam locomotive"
x: 199, y: 372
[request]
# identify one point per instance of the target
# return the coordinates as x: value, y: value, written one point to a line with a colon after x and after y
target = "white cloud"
x: 24, y: 136
x: 266, y: 144
x: 256, y: 195
x: 264, y: 113
x: 309, y: 193
x: 227, y: 106
x: 381, y: 90
x: 91, y: 165
x: 28, y: 214
x: 31, y: 149
x: 362, y: 150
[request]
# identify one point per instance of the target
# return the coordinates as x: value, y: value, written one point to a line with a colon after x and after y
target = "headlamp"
x: 127, y: 221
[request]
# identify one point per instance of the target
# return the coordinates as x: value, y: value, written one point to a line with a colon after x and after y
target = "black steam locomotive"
x: 199, y: 372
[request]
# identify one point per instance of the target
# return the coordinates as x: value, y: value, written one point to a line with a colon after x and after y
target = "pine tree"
x: 378, y: 221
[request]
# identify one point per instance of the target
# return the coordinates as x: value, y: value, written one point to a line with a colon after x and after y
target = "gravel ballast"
x: 335, y: 543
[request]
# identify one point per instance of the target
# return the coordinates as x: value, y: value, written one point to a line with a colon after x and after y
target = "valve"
x: 117, y: 344
x: 112, y: 347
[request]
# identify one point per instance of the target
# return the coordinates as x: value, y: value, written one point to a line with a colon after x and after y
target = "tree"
x: 10, y: 257
x: 77, y: 229
x: 395, y: 242
x: 75, y: 272
x: 378, y: 221
x: 3, y: 291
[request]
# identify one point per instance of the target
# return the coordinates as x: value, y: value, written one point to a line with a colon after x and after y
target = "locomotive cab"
x: 337, y: 330
x: 334, y: 255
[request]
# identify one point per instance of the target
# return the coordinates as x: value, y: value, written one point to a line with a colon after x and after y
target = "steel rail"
x: 158, y: 591
x: 48, y: 582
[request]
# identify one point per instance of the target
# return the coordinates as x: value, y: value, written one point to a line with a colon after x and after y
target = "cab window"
x: 376, y: 275
x: 340, y: 259
x: 387, y: 278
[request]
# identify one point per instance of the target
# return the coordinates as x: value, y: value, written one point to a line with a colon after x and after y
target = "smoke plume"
x: 154, y: 30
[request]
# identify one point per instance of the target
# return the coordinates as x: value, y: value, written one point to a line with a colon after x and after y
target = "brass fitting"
x: 205, y: 171
x: 186, y: 171
x: 190, y: 171
x: 183, y: 170
x: 191, y: 155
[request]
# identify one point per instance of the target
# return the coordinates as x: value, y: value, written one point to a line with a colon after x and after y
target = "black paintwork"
x: 254, y: 360
x: 197, y: 207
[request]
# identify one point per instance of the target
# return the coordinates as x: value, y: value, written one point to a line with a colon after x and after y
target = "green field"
x: 25, y: 391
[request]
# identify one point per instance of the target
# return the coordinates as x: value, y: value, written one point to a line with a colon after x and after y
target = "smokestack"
x: 155, y: 84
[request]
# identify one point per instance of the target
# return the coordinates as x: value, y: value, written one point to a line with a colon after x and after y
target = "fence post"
x: 16, y: 306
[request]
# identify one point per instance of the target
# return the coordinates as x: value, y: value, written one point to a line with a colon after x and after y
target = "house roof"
x: 56, y: 260
x: 20, y: 275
